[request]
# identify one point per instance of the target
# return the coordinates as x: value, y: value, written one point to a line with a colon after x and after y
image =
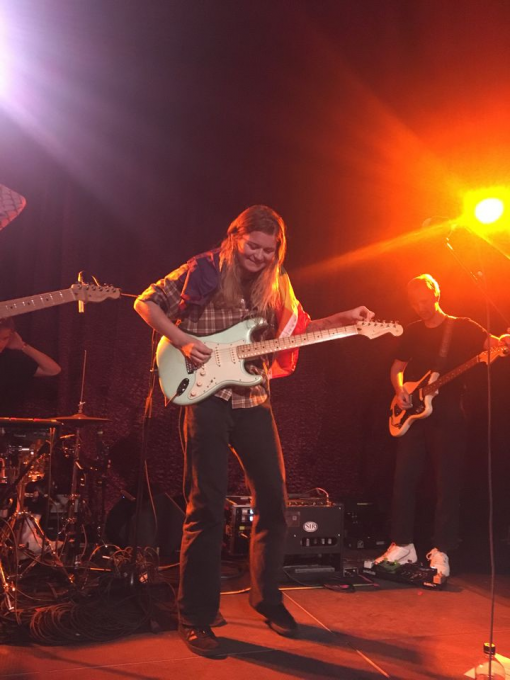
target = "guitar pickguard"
x: 401, y: 419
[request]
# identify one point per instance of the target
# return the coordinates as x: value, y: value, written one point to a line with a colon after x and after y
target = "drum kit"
x: 31, y: 450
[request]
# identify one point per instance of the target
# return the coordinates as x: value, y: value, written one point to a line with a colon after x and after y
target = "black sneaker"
x: 279, y: 619
x: 201, y: 640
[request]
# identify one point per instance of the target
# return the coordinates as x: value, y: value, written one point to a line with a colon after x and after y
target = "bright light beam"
x: 370, y: 252
x: 489, y: 210
x: 3, y: 57
x: 6, y: 57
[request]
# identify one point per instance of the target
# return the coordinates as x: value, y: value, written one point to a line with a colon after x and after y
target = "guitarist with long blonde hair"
x: 212, y: 292
x: 437, y: 344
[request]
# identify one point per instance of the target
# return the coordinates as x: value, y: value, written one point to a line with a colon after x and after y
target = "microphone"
x: 434, y: 221
x: 438, y: 220
x: 453, y: 227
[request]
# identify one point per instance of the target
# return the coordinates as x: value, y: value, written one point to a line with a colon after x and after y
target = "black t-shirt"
x: 419, y: 346
x: 16, y: 373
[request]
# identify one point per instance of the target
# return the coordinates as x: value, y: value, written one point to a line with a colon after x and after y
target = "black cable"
x: 143, y: 473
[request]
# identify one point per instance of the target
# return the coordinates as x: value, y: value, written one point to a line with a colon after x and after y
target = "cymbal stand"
x: 101, y: 468
x: 71, y: 547
x: 6, y: 588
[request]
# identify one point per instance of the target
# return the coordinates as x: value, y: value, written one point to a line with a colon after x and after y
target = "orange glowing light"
x: 485, y: 214
x: 486, y: 206
x: 489, y: 210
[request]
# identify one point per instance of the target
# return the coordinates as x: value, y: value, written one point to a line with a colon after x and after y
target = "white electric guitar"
x: 184, y: 384
x: 78, y: 292
x: 423, y: 391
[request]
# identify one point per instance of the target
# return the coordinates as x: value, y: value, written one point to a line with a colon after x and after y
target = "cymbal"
x: 79, y: 419
x: 29, y: 422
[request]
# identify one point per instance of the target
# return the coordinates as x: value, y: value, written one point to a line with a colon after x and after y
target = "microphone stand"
x: 481, y: 282
x: 478, y: 277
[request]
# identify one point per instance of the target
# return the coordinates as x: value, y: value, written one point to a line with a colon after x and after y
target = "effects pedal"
x: 410, y: 574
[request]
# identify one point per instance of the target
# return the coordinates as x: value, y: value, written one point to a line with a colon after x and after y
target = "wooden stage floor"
x: 393, y: 631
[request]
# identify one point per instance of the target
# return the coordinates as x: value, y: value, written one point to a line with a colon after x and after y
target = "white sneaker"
x: 439, y: 561
x: 402, y: 554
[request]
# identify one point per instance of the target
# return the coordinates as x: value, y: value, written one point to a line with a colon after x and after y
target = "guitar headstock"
x: 489, y: 355
x: 90, y: 292
x: 373, y: 329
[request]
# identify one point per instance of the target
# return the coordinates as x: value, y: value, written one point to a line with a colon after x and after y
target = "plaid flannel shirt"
x: 209, y: 319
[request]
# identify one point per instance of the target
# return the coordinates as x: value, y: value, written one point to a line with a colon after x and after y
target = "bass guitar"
x: 184, y: 384
x: 422, y: 392
x: 78, y: 292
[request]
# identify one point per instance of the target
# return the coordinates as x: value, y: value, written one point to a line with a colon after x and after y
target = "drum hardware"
x: 3, y: 472
x: 22, y: 539
x: 21, y: 461
x: 80, y: 419
x: 75, y: 503
x: 6, y: 587
x: 70, y: 551
x: 27, y: 457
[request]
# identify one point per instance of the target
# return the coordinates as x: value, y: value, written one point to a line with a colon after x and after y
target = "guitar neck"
x: 257, y: 349
x: 454, y: 373
x: 29, y: 304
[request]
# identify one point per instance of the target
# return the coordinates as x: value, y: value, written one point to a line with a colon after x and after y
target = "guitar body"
x: 183, y: 384
x: 401, y: 419
x: 423, y: 392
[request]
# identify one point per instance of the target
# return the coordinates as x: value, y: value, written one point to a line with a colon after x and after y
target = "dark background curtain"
x: 138, y: 130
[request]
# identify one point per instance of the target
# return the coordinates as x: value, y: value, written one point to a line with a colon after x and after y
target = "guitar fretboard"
x: 22, y: 305
x: 257, y: 349
x: 433, y: 387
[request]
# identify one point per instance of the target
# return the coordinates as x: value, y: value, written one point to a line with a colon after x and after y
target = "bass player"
x: 439, y: 343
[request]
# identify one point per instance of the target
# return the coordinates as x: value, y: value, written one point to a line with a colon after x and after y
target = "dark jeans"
x: 443, y: 445
x: 210, y: 428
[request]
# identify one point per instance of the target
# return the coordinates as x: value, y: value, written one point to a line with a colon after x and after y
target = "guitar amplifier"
x: 238, y: 519
x: 314, y: 539
x: 364, y: 526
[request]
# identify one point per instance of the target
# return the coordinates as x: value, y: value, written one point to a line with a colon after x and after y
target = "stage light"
x: 3, y: 57
x: 486, y: 206
x: 485, y: 214
x: 489, y: 210
x: 6, y: 58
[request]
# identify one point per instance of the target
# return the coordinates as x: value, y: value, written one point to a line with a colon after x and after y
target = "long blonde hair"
x: 265, y: 289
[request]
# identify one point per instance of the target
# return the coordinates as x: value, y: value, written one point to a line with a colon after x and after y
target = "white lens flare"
x: 489, y: 210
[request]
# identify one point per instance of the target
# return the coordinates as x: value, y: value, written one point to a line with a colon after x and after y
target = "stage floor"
x: 393, y: 631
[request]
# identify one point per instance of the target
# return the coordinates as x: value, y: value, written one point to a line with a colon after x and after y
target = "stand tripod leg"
x: 6, y: 588
x: 24, y: 523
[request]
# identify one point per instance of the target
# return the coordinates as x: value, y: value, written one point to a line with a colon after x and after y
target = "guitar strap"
x: 445, y: 344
